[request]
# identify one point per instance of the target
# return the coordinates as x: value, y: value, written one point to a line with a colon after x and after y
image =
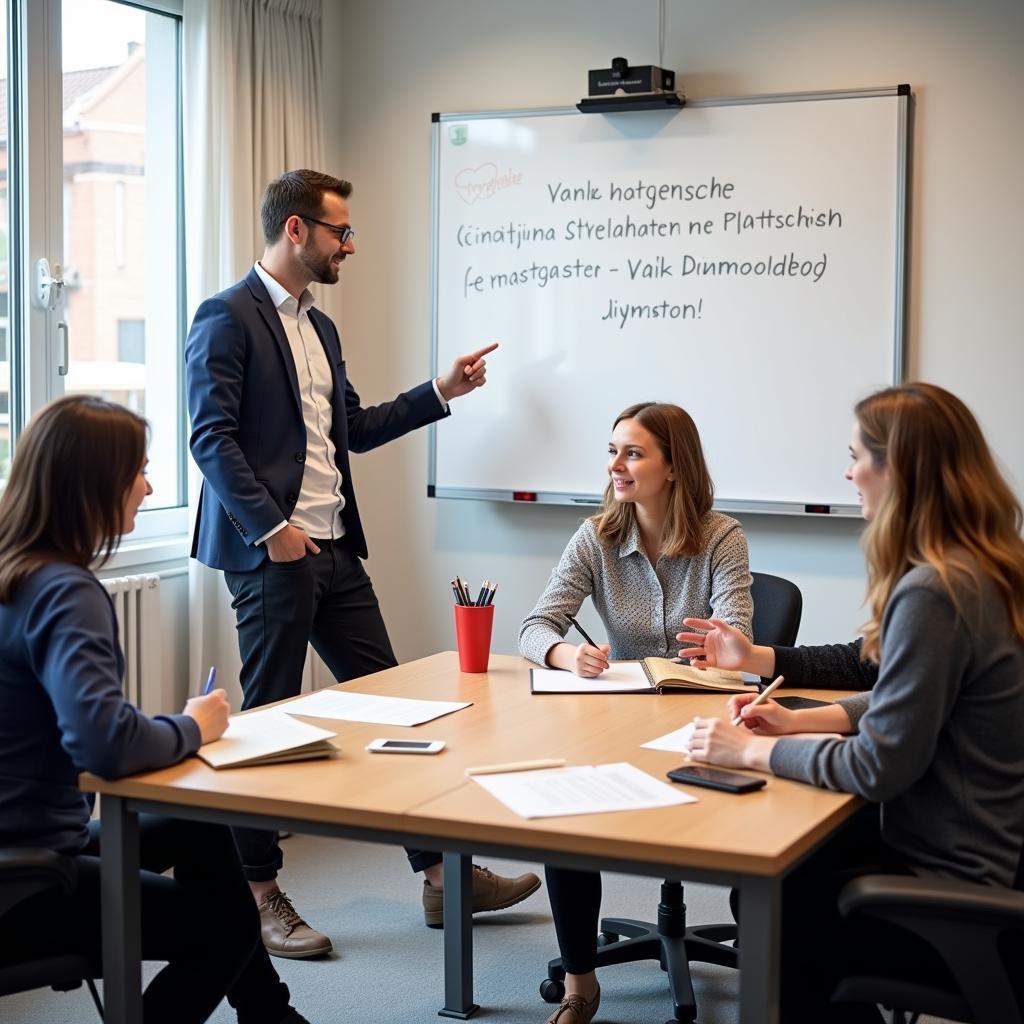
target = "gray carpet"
x: 388, y: 967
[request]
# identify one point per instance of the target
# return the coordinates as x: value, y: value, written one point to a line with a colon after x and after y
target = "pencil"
x: 760, y: 698
x: 517, y: 766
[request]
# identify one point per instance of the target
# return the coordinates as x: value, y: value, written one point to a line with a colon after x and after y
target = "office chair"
x: 778, y: 606
x: 24, y: 873
x: 978, y: 930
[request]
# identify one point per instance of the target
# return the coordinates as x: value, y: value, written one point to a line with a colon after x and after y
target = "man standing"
x: 274, y: 417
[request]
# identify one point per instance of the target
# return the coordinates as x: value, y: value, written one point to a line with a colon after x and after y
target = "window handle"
x: 48, y: 287
x: 62, y: 368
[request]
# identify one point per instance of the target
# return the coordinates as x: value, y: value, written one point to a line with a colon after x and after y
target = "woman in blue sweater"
x: 75, y: 485
x: 937, y: 740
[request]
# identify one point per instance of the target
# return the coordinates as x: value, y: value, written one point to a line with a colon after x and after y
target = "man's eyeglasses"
x: 342, y: 234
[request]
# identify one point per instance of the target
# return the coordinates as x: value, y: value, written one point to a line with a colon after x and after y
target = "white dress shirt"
x: 318, y: 510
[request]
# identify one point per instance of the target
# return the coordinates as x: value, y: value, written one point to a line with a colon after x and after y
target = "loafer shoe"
x: 490, y: 892
x: 576, y: 1010
x: 285, y: 933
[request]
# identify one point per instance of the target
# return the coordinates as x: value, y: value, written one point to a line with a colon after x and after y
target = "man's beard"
x: 321, y: 268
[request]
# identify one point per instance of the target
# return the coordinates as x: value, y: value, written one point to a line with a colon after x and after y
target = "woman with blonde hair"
x: 655, y: 554
x: 937, y: 740
x: 76, y: 483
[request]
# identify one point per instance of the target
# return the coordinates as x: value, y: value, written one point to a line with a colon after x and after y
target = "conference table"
x: 750, y: 842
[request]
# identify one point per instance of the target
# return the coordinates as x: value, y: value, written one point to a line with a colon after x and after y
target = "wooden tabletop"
x: 759, y: 833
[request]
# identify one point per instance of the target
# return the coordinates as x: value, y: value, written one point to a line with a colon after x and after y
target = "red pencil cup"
x: 473, y: 636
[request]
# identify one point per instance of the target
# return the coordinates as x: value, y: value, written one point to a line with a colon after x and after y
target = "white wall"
x: 389, y: 64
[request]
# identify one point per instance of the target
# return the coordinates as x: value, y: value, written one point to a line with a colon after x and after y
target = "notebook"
x: 650, y: 675
x: 267, y: 737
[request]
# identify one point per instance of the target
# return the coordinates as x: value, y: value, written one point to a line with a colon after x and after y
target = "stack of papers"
x: 591, y: 789
x: 366, y: 707
x: 267, y: 737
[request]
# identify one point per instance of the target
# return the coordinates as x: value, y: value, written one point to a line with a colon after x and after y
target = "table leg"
x: 458, y: 937
x: 760, y: 939
x: 122, y: 929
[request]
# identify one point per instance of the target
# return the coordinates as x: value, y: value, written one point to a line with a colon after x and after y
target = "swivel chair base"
x: 669, y: 942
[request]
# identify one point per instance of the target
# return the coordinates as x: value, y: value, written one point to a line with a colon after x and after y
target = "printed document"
x: 591, y: 789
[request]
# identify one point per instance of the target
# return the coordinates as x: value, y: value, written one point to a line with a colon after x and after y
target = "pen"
x: 210, y: 679
x: 517, y: 766
x: 582, y: 632
x: 759, y: 699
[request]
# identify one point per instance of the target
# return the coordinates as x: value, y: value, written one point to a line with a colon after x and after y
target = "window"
x: 131, y: 341
x: 104, y: 210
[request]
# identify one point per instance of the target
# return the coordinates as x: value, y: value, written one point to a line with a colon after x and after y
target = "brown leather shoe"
x: 576, y: 1010
x: 285, y: 933
x: 490, y: 892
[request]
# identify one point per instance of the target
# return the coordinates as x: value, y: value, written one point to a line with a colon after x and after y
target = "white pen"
x: 517, y: 766
x: 766, y: 692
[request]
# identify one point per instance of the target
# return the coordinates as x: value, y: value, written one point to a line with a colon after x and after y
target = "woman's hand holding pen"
x: 767, y: 719
x: 210, y: 713
x: 590, y: 661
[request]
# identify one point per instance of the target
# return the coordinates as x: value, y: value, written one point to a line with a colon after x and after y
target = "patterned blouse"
x: 641, y: 605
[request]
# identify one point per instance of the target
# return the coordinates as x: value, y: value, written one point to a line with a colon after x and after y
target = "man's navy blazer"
x: 248, y: 436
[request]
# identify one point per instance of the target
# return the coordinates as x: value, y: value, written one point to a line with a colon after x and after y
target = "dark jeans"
x: 326, y: 600
x: 202, y: 921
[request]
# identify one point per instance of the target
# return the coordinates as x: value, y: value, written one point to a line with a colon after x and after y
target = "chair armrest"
x: 908, y: 896
x: 25, y: 872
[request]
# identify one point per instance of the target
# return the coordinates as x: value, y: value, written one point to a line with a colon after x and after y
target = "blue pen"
x: 210, y: 680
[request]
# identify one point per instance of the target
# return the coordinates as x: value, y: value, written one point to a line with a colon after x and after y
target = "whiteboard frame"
x: 904, y: 97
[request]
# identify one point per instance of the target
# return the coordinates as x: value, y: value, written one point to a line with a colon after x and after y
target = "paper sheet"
x: 678, y: 741
x: 365, y: 707
x: 621, y: 675
x: 591, y: 789
x: 258, y: 734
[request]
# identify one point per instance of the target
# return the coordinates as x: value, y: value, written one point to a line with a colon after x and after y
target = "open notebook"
x: 650, y: 675
x: 267, y: 737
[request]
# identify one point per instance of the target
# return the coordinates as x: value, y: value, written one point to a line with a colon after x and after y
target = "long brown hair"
x: 947, y: 506
x: 692, y: 491
x: 74, y: 465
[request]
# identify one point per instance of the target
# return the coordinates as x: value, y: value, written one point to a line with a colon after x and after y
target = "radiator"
x: 137, y: 606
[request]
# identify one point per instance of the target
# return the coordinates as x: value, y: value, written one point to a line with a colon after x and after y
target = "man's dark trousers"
x: 326, y: 600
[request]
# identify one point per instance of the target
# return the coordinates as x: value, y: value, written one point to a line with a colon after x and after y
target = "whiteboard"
x: 743, y: 258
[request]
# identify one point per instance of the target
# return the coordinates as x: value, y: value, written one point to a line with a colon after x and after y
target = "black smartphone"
x: 799, y: 703
x: 715, y: 778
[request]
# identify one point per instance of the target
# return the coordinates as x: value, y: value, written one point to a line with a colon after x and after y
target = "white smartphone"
x: 385, y: 746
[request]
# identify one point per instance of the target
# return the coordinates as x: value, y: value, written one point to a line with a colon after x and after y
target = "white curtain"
x: 252, y: 110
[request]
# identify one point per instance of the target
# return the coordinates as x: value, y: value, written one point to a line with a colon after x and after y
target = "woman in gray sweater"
x: 937, y: 740
x: 653, y: 555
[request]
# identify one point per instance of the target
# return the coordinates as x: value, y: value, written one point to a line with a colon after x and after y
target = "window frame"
x: 36, y: 338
